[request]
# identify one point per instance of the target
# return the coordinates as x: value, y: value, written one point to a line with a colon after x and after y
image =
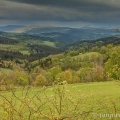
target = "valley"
x: 59, y: 73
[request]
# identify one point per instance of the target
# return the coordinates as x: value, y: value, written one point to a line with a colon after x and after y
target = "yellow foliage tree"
x: 40, y: 81
x: 68, y: 76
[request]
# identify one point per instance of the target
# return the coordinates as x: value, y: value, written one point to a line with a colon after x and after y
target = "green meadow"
x: 89, y: 54
x: 5, y: 70
x: 17, y: 47
x: 89, y: 101
x: 52, y: 44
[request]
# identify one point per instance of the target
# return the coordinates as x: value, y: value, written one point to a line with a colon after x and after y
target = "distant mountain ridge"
x: 10, y: 27
x: 67, y: 34
x: 25, y: 29
x: 60, y: 36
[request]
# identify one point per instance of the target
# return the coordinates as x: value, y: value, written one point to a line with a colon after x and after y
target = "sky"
x: 70, y: 13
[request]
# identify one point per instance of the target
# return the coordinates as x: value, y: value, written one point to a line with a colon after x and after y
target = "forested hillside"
x: 48, y: 57
x: 98, y: 63
x: 86, y: 44
x: 4, y: 40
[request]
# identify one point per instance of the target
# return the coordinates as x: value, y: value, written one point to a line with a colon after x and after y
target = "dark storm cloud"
x: 84, y: 5
x: 93, y: 11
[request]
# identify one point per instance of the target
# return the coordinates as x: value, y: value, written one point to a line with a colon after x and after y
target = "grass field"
x: 100, y: 98
x: 89, y: 54
x: 25, y: 52
x: 18, y: 47
x: 21, y: 47
x: 52, y: 44
x: 6, y: 46
x: 5, y: 70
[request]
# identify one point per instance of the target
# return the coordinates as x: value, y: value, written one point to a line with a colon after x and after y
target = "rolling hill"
x: 91, y: 43
x: 68, y: 35
x: 10, y: 27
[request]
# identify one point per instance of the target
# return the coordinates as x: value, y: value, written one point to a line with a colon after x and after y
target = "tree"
x: 112, y: 66
x: 103, y: 49
x: 68, y: 76
x: 53, y: 72
x: 84, y: 74
x: 21, y: 78
x: 40, y: 80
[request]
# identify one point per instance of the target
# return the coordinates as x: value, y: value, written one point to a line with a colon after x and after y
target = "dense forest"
x: 4, y: 40
x: 87, y: 44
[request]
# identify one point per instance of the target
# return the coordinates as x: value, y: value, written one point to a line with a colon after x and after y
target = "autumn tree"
x: 40, y: 80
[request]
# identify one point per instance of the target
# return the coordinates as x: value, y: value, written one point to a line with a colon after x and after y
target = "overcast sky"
x: 72, y: 13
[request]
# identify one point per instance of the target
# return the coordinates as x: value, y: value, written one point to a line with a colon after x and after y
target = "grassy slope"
x: 17, y: 47
x: 21, y: 47
x: 98, y: 96
x: 52, y: 44
x: 6, y: 70
x: 89, y: 54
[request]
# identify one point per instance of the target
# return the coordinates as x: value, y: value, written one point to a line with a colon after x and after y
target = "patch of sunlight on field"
x: 52, y: 44
x: 87, y: 54
x: 25, y: 52
x: 16, y: 47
